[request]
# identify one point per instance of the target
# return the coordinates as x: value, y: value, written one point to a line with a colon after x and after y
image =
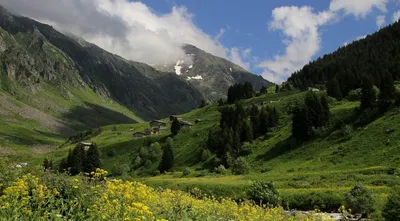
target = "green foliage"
x: 314, y: 114
x: 186, y: 171
x: 239, y: 92
x: 120, y: 169
x: 334, y: 89
x: 360, y: 200
x: 391, y: 210
x: 264, y: 193
x: 263, y: 90
x: 354, y: 95
x: 81, y: 160
x: 167, y: 160
x: 221, y: 102
x: 175, y: 127
x: 240, y: 166
x: 368, y: 94
x: 48, y: 164
x: 387, y: 92
x: 205, y: 155
x: 325, y: 201
x: 221, y: 170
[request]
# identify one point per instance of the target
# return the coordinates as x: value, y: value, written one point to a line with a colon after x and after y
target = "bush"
x: 264, y: 193
x: 240, y: 166
x: 354, y: 95
x: 325, y: 201
x: 119, y: 170
x: 391, y: 210
x: 111, y: 153
x: 205, y: 155
x: 360, y: 200
x: 186, y: 171
x: 221, y: 169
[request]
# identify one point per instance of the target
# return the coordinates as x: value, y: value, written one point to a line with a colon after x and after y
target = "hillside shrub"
x: 354, y: 95
x: 360, y: 200
x: 240, y: 166
x: 325, y: 201
x: 186, y: 171
x: 111, y: 153
x: 221, y: 170
x: 120, y: 169
x: 264, y: 193
x: 205, y: 155
x: 391, y: 210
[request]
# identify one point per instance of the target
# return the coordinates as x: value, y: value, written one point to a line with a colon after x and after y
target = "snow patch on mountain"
x: 191, y: 66
x: 178, y: 67
x: 198, y: 77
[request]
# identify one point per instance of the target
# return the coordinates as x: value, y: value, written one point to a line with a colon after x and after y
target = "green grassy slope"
x: 330, y: 164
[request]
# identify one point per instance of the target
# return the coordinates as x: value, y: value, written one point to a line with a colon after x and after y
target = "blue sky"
x: 272, y: 38
x: 246, y: 24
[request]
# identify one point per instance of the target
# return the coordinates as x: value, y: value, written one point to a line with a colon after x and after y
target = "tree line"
x: 237, y: 126
x: 375, y: 58
x: 81, y: 160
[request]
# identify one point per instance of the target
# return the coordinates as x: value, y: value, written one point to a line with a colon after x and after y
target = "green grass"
x: 328, y: 165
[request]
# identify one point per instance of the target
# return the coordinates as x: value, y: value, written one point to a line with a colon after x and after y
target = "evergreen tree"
x: 167, y: 160
x: 334, y: 89
x: 263, y: 90
x: 78, y: 158
x: 248, y: 90
x: 368, y: 94
x: 63, y: 166
x: 301, y: 124
x: 47, y: 164
x: 387, y: 91
x: 92, y: 159
x: 203, y: 103
x: 175, y: 127
x: 255, y: 119
x: 220, y: 102
x: 277, y: 89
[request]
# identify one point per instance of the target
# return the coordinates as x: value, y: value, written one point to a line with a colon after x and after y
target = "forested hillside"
x: 376, y: 57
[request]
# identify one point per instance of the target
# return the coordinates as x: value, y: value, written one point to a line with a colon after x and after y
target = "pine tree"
x: 387, y: 91
x: 301, y: 124
x: 248, y: 90
x: 277, y: 89
x: 167, y: 160
x: 334, y: 89
x: 255, y: 119
x: 175, y: 127
x: 203, y: 103
x: 263, y: 90
x: 46, y: 164
x: 92, y: 159
x: 77, y: 160
x: 368, y: 94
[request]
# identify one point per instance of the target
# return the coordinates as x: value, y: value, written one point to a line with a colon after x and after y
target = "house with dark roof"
x: 185, y: 124
x: 172, y: 117
x: 158, y: 124
x: 139, y: 134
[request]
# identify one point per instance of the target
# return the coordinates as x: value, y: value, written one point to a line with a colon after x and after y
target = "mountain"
x: 373, y: 57
x: 212, y: 75
x: 32, y: 52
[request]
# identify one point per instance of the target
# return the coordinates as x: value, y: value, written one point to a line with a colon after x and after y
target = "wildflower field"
x: 38, y: 195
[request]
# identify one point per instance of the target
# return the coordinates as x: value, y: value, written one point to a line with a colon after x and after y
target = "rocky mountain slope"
x: 212, y: 75
x: 32, y: 52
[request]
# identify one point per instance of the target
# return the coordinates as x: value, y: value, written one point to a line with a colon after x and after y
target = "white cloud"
x: 220, y: 34
x: 380, y: 21
x: 300, y: 27
x: 238, y: 56
x: 359, y: 8
x: 129, y: 29
x: 396, y: 16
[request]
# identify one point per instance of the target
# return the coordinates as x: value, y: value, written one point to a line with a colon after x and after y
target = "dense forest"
x: 376, y: 57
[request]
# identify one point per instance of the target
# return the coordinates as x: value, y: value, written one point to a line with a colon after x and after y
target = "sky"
x: 272, y: 38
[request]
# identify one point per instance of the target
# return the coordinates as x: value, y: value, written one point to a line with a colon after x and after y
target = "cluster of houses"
x: 156, y: 126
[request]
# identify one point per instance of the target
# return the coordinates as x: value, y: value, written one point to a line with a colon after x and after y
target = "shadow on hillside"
x: 93, y: 116
x: 26, y: 137
x: 280, y: 148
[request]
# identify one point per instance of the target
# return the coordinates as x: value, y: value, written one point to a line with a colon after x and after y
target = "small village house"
x: 139, y: 134
x: 158, y: 124
x: 172, y: 117
x: 148, y: 131
x: 185, y: 124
